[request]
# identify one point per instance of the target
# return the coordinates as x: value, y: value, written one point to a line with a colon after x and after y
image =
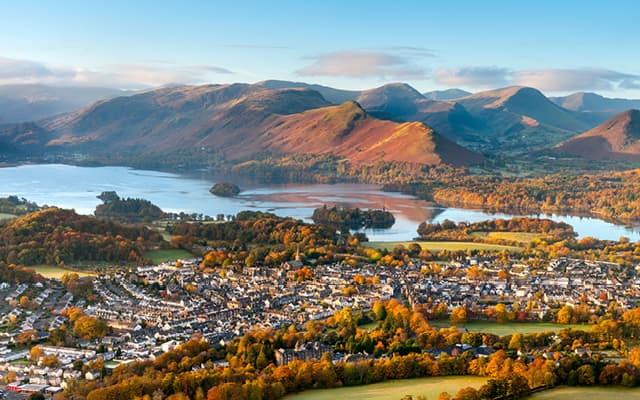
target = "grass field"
x: 394, y: 390
x: 509, y: 328
x: 55, y: 272
x: 520, y: 237
x: 579, y: 393
x: 369, y: 326
x: 451, y: 246
x: 162, y: 255
x: 4, y: 216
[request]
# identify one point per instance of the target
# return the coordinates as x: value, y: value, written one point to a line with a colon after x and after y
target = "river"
x: 77, y: 187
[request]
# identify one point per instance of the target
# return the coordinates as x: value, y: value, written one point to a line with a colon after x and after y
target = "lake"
x: 77, y: 187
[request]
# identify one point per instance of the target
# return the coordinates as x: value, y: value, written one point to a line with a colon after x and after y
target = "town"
x: 152, y: 309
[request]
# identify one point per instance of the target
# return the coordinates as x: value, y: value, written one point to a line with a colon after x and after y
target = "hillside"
x: 616, y: 139
x: 402, y: 102
x: 23, y: 138
x: 196, y: 126
x: 448, y: 94
x: 333, y: 95
x: 595, y: 104
x: 171, y: 118
x: 517, y: 120
x: 523, y: 102
x: 57, y: 236
x: 32, y: 102
x: 247, y: 121
x: 350, y: 132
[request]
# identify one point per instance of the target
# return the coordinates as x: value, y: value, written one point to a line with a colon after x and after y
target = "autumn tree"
x: 565, y: 315
x: 458, y: 315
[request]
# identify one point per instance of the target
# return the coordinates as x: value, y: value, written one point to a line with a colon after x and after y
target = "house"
x: 302, y: 352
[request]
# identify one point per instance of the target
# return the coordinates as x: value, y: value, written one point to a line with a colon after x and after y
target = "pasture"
x: 430, y: 387
x: 509, y: 328
x: 55, y: 272
x: 579, y: 393
x: 442, y: 245
x: 163, y: 255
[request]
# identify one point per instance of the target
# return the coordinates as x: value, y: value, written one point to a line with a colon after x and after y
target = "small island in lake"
x: 225, y: 189
x: 127, y: 210
x: 353, y: 218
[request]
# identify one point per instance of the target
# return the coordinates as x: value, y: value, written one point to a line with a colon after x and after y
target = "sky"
x: 556, y: 46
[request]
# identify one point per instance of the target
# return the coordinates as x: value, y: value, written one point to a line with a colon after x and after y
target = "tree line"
x: 58, y: 236
x: 345, y: 218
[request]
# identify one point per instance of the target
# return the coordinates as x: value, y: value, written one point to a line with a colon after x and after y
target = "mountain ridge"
x: 618, y: 138
x: 243, y: 121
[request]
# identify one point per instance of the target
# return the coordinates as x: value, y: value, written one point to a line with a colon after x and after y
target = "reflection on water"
x: 77, y: 187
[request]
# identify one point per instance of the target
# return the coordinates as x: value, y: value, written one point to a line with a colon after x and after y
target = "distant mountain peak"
x: 595, y: 103
x: 447, y: 94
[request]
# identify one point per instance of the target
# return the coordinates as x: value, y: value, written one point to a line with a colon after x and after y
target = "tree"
x: 49, y: 361
x: 516, y: 341
x: 26, y: 337
x: 565, y: 315
x: 458, y: 315
x: 502, y: 314
x: 35, y: 353
x: 379, y: 311
x: 88, y: 327
x: 634, y: 356
x: 586, y: 375
x: 467, y: 393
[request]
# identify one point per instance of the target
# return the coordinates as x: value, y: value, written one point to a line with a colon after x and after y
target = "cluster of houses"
x: 173, y: 302
x: 155, y: 308
x: 563, y: 281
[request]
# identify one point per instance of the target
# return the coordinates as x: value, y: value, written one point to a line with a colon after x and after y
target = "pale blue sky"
x: 559, y: 48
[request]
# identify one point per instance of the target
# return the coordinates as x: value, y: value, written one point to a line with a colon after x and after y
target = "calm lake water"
x: 77, y: 187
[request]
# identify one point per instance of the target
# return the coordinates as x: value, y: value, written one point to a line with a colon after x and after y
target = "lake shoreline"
x: 76, y: 187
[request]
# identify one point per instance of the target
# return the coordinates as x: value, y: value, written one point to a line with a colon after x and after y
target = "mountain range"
x: 246, y: 120
x: 393, y: 122
x: 594, y: 103
x: 32, y: 102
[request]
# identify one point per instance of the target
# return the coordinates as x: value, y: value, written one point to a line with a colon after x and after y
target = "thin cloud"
x: 14, y: 69
x: 630, y: 83
x: 131, y: 76
x: 548, y: 80
x: 473, y: 77
x: 564, y: 80
x: 412, y: 50
x: 362, y: 64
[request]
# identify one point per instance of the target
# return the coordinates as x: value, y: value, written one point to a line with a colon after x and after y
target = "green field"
x: 579, y: 393
x: 55, y: 272
x: 368, y: 327
x: 394, y: 390
x: 520, y: 237
x: 509, y: 328
x: 450, y: 246
x: 4, y: 216
x: 162, y: 255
